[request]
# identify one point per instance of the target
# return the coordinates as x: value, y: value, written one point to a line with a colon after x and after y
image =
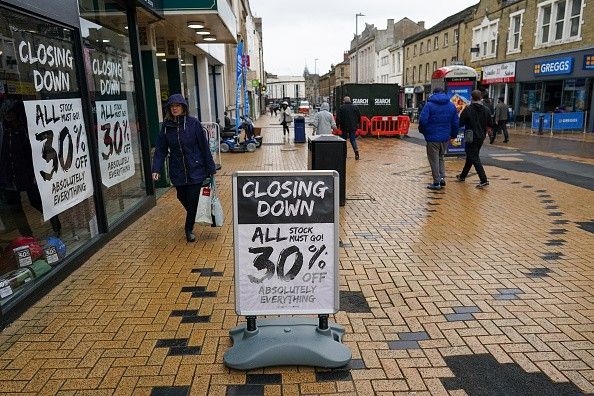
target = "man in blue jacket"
x: 438, y: 123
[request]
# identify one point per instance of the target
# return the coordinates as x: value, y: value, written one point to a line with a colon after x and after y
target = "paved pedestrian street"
x: 458, y: 291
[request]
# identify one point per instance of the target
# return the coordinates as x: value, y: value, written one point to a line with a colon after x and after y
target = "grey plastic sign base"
x: 287, y: 341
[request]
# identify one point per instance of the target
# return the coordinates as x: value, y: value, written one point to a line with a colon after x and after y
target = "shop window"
x: 515, y: 32
x: 47, y: 210
x: 111, y: 83
x: 530, y: 99
x: 574, y: 95
x: 484, y: 37
x: 559, y: 21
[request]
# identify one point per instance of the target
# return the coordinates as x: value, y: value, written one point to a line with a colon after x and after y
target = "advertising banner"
x: 116, y: 158
x: 460, y: 91
x: 546, y: 122
x: 286, y: 242
x: 371, y: 99
x: 238, y: 82
x: 573, y: 121
x: 60, y: 153
x: 246, y: 100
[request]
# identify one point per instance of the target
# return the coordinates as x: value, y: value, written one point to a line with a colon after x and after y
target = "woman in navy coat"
x: 182, y: 138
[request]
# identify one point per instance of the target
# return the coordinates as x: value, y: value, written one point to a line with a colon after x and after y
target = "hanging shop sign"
x: 560, y: 66
x: 60, y: 153
x: 409, y: 90
x: 286, y: 242
x: 500, y: 73
x: 116, y: 157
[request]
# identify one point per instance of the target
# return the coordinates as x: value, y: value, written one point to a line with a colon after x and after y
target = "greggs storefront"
x: 73, y: 144
x: 562, y: 83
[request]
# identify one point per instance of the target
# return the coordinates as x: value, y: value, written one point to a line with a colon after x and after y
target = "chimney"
x: 421, y: 24
x: 390, y: 24
x: 345, y: 56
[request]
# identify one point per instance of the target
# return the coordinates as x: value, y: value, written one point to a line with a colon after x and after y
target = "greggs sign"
x: 554, y: 67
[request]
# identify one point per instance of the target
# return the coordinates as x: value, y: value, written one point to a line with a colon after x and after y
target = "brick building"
x: 534, y: 54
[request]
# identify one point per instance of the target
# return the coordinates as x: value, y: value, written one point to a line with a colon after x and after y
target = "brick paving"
x: 459, y: 291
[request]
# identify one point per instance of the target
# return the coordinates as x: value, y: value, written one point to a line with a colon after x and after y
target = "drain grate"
x: 272, y: 144
x: 360, y: 197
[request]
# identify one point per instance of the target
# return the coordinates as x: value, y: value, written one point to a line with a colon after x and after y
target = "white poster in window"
x: 116, y: 158
x: 60, y: 153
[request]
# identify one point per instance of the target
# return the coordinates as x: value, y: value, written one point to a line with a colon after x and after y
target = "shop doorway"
x: 552, y: 95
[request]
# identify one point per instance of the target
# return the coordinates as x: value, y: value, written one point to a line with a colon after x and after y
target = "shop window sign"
x: 560, y: 66
x: 589, y: 62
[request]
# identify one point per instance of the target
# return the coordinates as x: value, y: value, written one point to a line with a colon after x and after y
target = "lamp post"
x: 357, y: 15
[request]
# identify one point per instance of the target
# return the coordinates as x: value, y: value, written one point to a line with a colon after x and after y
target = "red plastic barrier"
x: 403, y: 124
x: 365, y: 126
x: 389, y: 125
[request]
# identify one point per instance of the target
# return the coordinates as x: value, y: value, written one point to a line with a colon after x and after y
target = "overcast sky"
x: 298, y: 32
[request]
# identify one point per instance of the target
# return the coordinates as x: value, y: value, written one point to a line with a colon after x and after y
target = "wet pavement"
x: 459, y: 291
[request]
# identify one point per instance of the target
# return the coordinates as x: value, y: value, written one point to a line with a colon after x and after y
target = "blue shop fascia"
x: 563, y: 82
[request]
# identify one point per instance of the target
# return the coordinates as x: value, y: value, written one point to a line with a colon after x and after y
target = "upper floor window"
x: 421, y: 48
x: 428, y: 45
x: 420, y: 72
x: 456, y: 34
x: 515, y: 32
x: 415, y: 50
x: 445, y: 40
x: 443, y: 62
x: 559, y: 21
x: 407, y: 75
x: 436, y: 42
x: 398, y: 62
x: 414, y: 73
x: 484, y: 39
x: 408, y: 53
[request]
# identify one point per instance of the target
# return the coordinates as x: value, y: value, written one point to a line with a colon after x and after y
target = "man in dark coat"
x: 348, y: 118
x: 475, y: 117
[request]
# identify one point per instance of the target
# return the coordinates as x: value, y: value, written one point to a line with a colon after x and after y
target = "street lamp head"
x: 359, y: 14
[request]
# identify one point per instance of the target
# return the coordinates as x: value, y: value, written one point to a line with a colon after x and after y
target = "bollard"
x: 540, y: 123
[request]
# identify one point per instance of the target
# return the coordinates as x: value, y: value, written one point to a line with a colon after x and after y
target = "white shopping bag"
x: 204, y: 212
x: 217, y: 209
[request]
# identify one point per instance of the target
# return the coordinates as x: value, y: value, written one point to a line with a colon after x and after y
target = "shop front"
x: 73, y: 141
x: 561, y: 83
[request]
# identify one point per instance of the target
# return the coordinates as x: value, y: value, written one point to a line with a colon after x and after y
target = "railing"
x: 382, y: 126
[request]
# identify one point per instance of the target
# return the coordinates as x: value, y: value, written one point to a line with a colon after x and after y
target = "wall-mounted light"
x: 160, y: 54
x: 196, y: 24
x: 210, y: 38
x: 203, y: 32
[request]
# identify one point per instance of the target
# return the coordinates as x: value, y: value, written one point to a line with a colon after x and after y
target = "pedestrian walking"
x: 323, y: 122
x: 475, y: 117
x: 501, y: 112
x: 190, y: 162
x: 275, y: 108
x: 271, y: 107
x: 285, y: 119
x: 439, y: 123
x: 348, y: 118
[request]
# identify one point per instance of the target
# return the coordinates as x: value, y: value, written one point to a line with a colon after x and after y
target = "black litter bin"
x: 299, y: 125
x: 328, y: 152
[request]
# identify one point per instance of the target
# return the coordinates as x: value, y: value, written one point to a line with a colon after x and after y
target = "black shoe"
x: 356, y: 155
x: 434, y: 186
x: 482, y: 184
x: 190, y: 237
x: 505, y: 141
x: 460, y: 178
x: 491, y: 140
x: 442, y: 182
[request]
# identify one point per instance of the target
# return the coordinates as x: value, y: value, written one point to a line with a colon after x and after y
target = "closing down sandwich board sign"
x: 286, y: 242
